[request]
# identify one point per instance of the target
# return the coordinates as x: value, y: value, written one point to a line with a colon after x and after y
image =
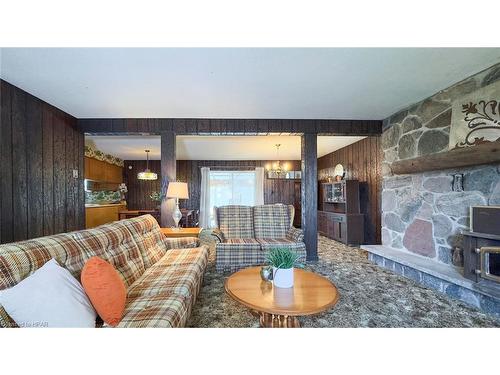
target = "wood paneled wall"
x: 362, y: 161
x: 275, y: 190
x: 139, y: 190
x: 40, y: 147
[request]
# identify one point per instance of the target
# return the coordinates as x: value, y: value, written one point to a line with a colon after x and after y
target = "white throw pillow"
x: 50, y: 297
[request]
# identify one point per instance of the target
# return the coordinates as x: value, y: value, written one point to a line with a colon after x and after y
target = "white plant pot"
x: 283, y: 278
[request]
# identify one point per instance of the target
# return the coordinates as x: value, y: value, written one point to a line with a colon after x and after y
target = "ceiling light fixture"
x: 147, y: 174
x: 277, y: 167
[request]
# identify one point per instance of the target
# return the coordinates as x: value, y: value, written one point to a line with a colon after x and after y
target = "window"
x: 231, y: 187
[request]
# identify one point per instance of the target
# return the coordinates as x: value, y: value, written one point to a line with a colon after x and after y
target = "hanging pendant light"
x: 147, y: 174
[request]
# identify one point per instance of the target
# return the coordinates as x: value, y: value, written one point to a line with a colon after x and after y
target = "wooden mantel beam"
x: 486, y: 153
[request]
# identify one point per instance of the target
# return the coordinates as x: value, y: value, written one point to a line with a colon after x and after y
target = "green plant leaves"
x: 282, y: 257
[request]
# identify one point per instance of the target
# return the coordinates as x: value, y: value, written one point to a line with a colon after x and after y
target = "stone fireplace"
x: 424, y: 213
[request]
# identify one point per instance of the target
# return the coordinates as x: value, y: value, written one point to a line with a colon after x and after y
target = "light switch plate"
x: 75, y: 173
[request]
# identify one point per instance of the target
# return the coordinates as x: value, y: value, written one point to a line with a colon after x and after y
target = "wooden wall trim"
x: 229, y: 126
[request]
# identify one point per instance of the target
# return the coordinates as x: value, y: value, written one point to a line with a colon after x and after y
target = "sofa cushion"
x: 114, y: 243
x: 164, y: 295
x: 237, y: 253
x: 105, y: 289
x: 147, y: 234
x: 271, y: 220
x: 298, y: 247
x: 178, y: 272
x: 51, y: 297
x: 164, y: 310
x: 21, y: 259
x: 235, y: 221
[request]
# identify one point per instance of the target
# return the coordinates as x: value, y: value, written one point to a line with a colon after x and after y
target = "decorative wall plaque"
x: 475, y: 118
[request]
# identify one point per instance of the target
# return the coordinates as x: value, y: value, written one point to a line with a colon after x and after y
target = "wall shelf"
x: 486, y: 153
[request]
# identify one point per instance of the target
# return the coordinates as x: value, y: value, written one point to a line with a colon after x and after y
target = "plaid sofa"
x: 163, y: 276
x: 245, y: 234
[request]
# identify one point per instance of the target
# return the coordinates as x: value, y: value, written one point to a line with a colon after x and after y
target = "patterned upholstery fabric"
x: 235, y: 221
x: 271, y: 221
x: 272, y: 227
x: 127, y: 245
x: 151, y: 241
x: 219, y: 235
x: 298, y: 247
x: 163, y: 310
x: 178, y: 272
x: 295, y: 234
x: 182, y: 243
x: 114, y: 243
x: 237, y: 253
x: 164, y: 295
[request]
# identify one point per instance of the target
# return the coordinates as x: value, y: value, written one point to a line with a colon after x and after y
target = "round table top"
x: 311, y: 293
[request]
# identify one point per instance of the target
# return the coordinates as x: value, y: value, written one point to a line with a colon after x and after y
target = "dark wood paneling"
x: 139, y: 190
x: 59, y: 174
x: 168, y: 174
x: 80, y: 162
x: 39, y: 147
x: 34, y: 163
x: 6, y: 208
x: 309, y: 194
x: 231, y: 126
x: 19, y: 173
x: 68, y: 171
x: 275, y: 190
x: 362, y: 161
x: 48, y: 171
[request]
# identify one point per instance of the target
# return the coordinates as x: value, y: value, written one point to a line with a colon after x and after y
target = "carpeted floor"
x: 370, y: 296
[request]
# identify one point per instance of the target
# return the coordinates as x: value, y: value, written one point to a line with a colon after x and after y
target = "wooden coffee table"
x: 181, y: 232
x: 280, y: 307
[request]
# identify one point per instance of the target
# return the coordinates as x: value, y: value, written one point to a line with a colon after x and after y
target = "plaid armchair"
x: 245, y: 234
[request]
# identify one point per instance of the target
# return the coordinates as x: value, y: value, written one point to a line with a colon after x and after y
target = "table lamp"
x: 177, y: 190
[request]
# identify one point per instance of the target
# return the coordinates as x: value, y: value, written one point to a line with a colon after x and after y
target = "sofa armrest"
x: 219, y: 235
x: 295, y: 234
x: 182, y: 243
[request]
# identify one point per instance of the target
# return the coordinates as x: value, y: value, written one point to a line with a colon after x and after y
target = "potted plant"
x: 283, y: 260
x: 157, y: 197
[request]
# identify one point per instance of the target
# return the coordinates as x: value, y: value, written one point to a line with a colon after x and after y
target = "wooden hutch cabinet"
x: 339, y: 217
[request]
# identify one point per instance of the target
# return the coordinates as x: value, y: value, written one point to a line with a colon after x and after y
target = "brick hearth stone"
x: 443, y: 278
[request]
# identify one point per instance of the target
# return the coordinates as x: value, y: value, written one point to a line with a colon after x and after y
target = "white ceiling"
x: 341, y: 83
x: 215, y: 148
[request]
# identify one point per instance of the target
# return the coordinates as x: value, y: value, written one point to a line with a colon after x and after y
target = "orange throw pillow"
x: 105, y: 289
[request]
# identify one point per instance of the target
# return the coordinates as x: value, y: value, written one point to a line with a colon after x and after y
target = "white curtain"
x: 205, y: 198
x: 259, y: 186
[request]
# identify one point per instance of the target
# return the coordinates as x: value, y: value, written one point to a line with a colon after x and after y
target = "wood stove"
x: 482, y: 257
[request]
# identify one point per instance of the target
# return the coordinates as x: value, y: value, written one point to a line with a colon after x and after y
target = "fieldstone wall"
x: 420, y: 212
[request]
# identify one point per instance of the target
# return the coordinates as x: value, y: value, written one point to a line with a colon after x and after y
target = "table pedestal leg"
x: 278, y: 321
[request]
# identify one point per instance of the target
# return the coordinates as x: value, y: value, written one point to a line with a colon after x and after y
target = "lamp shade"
x: 178, y: 190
